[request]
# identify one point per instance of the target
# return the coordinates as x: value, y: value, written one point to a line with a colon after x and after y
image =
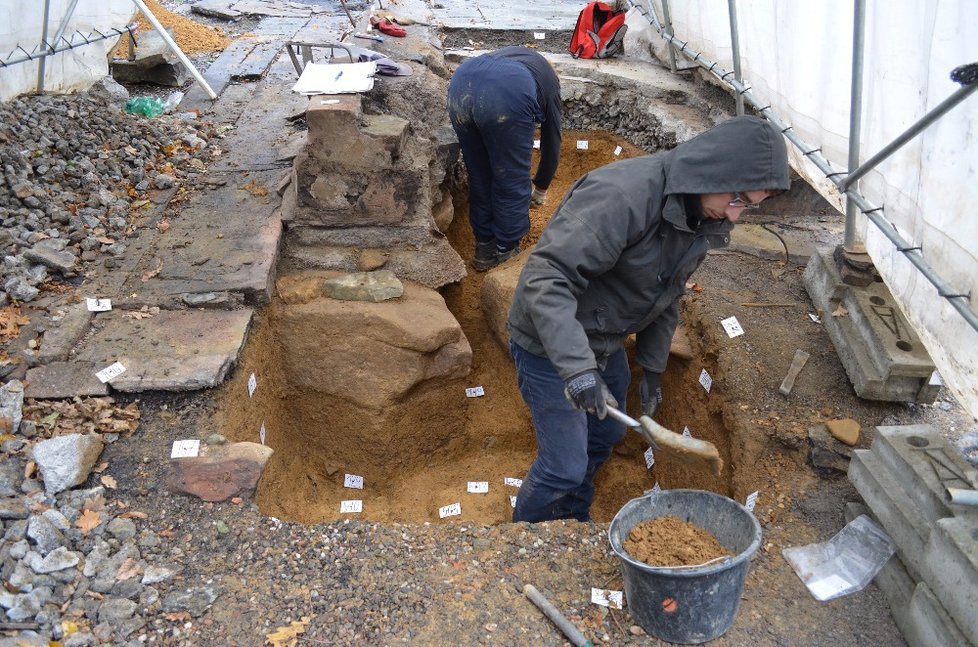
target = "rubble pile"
x: 74, y: 170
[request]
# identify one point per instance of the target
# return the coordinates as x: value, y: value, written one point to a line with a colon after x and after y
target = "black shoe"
x: 486, y: 256
x: 503, y: 256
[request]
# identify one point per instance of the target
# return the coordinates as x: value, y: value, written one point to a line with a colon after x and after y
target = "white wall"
x: 21, y: 23
x: 797, y: 58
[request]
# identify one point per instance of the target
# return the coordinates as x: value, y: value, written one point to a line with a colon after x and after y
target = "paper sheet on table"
x: 338, y: 78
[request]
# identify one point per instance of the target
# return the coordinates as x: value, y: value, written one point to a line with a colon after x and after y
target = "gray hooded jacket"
x: 616, y: 255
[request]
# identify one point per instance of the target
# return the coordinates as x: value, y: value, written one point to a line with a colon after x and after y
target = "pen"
x: 338, y: 75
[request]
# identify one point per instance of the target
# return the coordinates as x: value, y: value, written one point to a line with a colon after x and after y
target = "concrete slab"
x: 172, y: 351
x: 501, y: 14
x: 929, y: 624
x: 950, y: 567
x: 924, y: 464
x: 61, y: 336
x: 882, y: 355
x: 899, y: 517
x: 64, y: 380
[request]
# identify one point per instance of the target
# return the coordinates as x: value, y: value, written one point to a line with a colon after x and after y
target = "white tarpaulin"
x: 22, y: 24
x: 797, y: 57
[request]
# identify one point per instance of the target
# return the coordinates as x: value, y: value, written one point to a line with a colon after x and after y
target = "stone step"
x: 950, y: 567
x: 901, y: 519
x: 906, y: 451
x: 929, y: 624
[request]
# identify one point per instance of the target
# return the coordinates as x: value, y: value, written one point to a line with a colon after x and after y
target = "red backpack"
x: 600, y: 32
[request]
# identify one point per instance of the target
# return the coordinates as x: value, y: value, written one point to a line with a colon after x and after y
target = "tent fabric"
x: 797, y: 57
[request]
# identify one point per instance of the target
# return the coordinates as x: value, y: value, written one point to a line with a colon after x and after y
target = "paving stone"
x: 950, y: 568
x: 63, y: 261
x: 223, y: 472
x: 172, y: 351
x: 64, y: 380
x: 60, y: 337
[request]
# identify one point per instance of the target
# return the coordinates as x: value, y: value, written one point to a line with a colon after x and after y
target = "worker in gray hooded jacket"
x: 614, y: 261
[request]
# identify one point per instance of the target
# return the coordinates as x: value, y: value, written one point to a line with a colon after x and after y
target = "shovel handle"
x: 623, y: 417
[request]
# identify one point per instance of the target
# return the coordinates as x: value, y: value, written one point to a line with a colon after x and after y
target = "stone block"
x: 825, y: 452
x: 882, y: 355
x: 498, y: 289
x: 60, y: 337
x: 443, y: 213
x: 222, y: 472
x: 929, y: 625
x: 899, y: 517
x: 173, y: 351
x: 57, y: 259
x: 950, y: 568
x: 375, y: 286
x: 66, y: 461
x: 64, y: 380
x: 386, y: 133
x: 845, y: 430
x: 914, y: 454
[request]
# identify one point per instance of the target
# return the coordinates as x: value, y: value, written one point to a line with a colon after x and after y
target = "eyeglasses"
x: 740, y: 201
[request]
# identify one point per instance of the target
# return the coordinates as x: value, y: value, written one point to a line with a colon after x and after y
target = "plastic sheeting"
x: 22, y: 25
x: 797, y: 57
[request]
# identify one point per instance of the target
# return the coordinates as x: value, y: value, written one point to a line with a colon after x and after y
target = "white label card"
x: 732, y: 326
x: 475, y: 392
x: 252, y: 385
x: 512, y: 500
x: 828, y: 587
x: 261, y: 433
x: 751, y: 501
x: 478, y: 487
x: 329, y: 102
x: 452, y: 510
x: 509, y: 480
x: 657, y: 488
x: 649, y: 458
x: 536, y: 143
x: 582, y: 144
x: 606, y: 598
x: 539, y: 35
x: 185, y: 448
x: 706, y: 380
x: 110, y: 372
x: 353, y: 481
x: 686, y: 432
x: 356, y: 505
x: 618, y: 150
x: 814, y: 317
x: 99, y: 305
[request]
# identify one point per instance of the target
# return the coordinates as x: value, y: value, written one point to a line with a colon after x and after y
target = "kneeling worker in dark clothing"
x: 612, y: 262
x: 495, y: 101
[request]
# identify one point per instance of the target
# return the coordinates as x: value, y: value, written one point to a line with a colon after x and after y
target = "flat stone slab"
x: 501, y: 14
x: 179, y: 350
x: 64, y: 380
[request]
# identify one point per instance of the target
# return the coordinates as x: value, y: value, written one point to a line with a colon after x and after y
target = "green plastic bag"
x: 146, y: 106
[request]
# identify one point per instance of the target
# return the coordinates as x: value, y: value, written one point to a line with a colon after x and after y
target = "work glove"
x: 588, y: 392
x: 651, y: 393
x: 538, y: 197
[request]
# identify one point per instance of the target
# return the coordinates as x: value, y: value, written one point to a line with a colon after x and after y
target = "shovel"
x: 685, y: 448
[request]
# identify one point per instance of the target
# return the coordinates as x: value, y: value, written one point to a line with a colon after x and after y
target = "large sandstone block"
x: 341, y: 136
x: 372, y: 354
x: 222, y: 472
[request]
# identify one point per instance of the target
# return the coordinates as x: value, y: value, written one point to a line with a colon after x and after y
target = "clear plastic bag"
x: 844, y: 564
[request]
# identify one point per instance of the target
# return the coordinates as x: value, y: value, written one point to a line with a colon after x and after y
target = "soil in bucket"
x: 687, y: 604
x: 670, y: 541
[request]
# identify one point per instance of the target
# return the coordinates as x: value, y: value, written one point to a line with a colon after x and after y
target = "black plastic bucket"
x: 688, y: 605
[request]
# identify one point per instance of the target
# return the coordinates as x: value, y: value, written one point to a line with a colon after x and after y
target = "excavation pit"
x: 333, y: 398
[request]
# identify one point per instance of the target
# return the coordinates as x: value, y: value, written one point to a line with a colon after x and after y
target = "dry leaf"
x: 177, y: 616
x: 105, y: 240
x: 10, y: 322
x: 108, y: 481
x: 163, y: 225
x: 840, y: 311
x: 148, y: 274
x: 101, y: 467
x: 29, y: 469
x: 134, y: 514
x: 288, y: 636
x: 129, y: 568
x: 88, y: 522
x: 255, y: 189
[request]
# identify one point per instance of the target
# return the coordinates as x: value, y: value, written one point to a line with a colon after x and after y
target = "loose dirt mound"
x: 670, y: 541
x: 192, y: 37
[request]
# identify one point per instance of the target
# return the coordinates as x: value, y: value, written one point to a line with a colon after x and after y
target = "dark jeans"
x: 493, y: 106
x: 572, y: 445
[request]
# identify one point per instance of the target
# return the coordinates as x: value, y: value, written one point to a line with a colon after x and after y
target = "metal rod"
x: 925, y: 121
x: 64, y: 25
x: 56, y: 49
x: 735, y: 47
x: 623, y: 418
x: 958, y: 301
x: 44, y: 38
x: 851, y: 241
x: 667, y: 15
x: 566, y: 626
x: 174, y: 47
x: 961, y: 496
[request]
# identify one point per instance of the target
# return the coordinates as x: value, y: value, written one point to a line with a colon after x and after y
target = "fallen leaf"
x: 177, y: 616
x: 288, y: 636
x: 88, y: 521
x: 135, y: 514
x: 105, y: 240
x: 95, y: 503
x: 163, y: 225
x: 108, y: 481
x: 129, y: 568
x: 10, y: 322
x: 840, y: 311
x: 29, y: 469
x: 101, y: 467
x: 148, y: 274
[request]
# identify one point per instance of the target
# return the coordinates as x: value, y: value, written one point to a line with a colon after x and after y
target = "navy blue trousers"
x: 571, y: 445
x: 492, y: 104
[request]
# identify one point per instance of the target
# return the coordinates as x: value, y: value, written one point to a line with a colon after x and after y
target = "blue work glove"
x: 651, y: 393
x: 588, y: 392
